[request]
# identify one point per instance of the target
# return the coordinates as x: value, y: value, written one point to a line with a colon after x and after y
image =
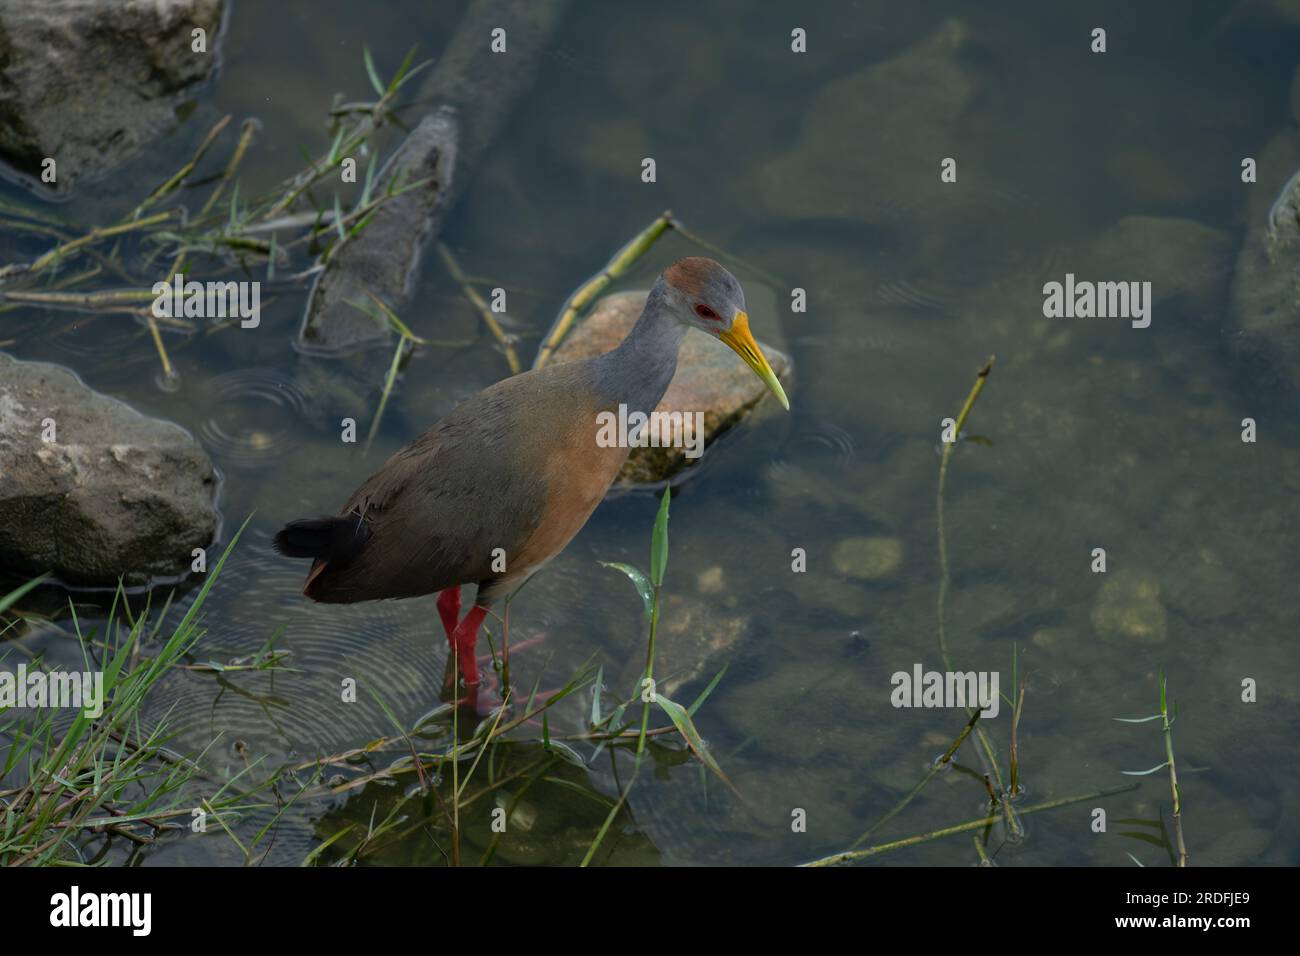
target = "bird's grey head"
x: 699, y: 292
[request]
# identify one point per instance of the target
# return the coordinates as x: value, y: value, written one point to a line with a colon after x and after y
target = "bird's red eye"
x: 704, y: 312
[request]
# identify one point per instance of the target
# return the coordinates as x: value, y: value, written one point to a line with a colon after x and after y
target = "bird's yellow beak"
x: 742, y: 343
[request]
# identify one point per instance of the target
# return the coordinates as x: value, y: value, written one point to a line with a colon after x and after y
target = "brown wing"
x: 474, y: 482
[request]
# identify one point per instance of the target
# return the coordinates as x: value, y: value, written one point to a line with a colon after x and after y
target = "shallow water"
x: 1099, y: 435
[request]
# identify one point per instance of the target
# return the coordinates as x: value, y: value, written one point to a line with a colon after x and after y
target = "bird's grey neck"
x: 637, y: 373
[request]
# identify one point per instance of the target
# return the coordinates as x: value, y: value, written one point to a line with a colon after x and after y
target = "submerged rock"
x: 114, y: 494
x: 868, y: 558
x: 910, y: 102
x: 1200, y: 587
x: 696, y: 638
x: 813, y: 710
x: 1128, y: 610
x: 1179, y: 257
x: 88, y: 82
x: 710, y: 379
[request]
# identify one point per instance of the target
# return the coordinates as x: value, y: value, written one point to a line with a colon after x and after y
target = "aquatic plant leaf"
x: 338, y: 218
x: 368, y: 187
x: 582, y: 791
x: 371, y: 71
x: 13, y: 597
x: 1159, y: 842
x: 561, y: 749
x: 686, y: 727
x: 1143, y: 773
x: 704, y: 694
x: 597, y: 687
x: 659, y: 541
x: 639, y: 579
x: 311, y: 858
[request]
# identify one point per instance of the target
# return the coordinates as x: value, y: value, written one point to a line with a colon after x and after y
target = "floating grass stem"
x: 945, y: 574
x: 1174, y: 790
x: 1014, y: 758
x: 934, y: 769
x: 1179, y: 851
x: 851, y: 856
x: 63, y: 250
x: 246, y: 133
x: 179, y: 177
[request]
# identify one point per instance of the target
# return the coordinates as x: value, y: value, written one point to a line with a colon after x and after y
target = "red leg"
x: 465, y: 638
x: 449, y: 609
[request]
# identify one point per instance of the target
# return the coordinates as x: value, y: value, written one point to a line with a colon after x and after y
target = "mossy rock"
x: 1128, y: 610
x: 870, y: 558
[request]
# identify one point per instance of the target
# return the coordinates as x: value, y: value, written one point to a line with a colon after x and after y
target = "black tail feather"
x: 335, y: 540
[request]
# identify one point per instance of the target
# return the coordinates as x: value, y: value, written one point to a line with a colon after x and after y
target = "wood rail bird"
x: 517, y: 467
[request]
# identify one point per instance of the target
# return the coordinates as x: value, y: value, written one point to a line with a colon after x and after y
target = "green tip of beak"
x: 774, y: 385
x: 742, y: 343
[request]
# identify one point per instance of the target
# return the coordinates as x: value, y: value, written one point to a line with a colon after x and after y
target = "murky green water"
x: 823, y: 170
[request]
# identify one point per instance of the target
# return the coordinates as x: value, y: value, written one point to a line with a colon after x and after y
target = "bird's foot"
x: 485, y: 698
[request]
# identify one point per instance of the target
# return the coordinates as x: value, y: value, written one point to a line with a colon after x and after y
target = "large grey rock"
x: 710, y: 378
x: 115, y: 494
x: 87, y: 82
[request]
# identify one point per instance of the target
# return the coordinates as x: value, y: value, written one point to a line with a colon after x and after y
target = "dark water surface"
x: 822, y: 170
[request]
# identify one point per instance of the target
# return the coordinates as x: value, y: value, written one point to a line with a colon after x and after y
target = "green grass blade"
x: 639, y: 580
x: 659, y: 542
x: 16, y: 595
x: 686, y: 727
x: 371, y: 71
